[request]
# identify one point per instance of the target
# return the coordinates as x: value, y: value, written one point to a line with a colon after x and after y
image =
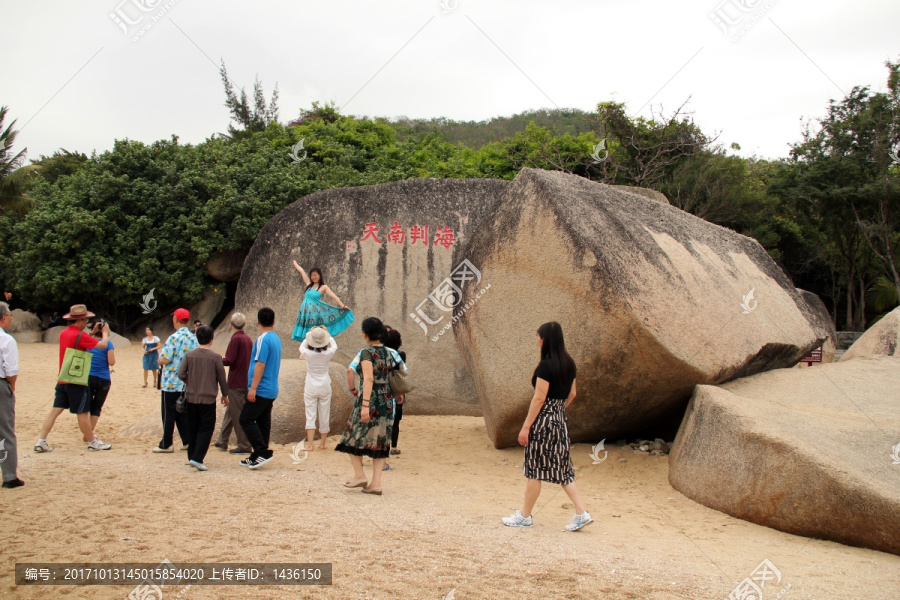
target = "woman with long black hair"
x: 545, y: 434
x: 316, y: 313
x: 368, y: 432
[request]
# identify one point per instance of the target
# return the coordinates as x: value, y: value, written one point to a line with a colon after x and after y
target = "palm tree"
x: 12, y: 174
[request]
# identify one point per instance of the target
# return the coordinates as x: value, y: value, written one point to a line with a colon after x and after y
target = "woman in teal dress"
x: 151, y: 356
x: 314, y: 312
x: 368, y: 432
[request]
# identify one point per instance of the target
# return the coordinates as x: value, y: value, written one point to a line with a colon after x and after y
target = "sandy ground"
x: 435, y: 533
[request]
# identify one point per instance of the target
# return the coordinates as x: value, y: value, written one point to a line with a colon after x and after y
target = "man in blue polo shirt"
x: 262, y: 374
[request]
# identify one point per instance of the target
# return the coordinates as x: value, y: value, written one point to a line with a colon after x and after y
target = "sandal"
x: 394, y: 451
x: 363, y: 483
x: 145, y: 385
x: 368, y: 490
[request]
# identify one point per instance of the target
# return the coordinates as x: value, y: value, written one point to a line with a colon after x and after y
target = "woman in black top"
x: 393, y: 340
x: 545, y: 434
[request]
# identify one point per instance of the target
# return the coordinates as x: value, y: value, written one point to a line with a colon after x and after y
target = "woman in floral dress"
x: 368, y: 431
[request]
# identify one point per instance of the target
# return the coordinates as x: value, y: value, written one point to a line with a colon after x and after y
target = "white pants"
x: 320, y: 399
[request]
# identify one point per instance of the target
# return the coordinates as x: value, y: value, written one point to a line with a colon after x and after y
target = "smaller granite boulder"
x: 807, y: 452
x: 881, y: 339
x: 226, y: 265
x: 644, y: 193
x: 51, y: 336
x: 25, y: 327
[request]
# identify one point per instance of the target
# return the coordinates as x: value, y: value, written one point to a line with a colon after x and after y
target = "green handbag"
x: 76, y: 365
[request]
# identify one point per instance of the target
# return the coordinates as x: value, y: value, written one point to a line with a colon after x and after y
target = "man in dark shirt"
x: 237, y: 359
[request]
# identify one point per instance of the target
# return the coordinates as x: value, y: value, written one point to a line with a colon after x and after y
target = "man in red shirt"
x: 74, y: 397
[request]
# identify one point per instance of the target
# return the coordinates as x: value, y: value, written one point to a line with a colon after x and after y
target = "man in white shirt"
x: 9, y: 371
x: 317, y: 349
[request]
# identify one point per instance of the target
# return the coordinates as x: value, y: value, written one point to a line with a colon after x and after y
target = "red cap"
x: 182, y: 314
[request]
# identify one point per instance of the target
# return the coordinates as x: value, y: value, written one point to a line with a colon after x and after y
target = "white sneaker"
x: 158, y: 450
x: 579, y: 521
x: 517, y: 520
x: 198, y: 465
x: 97, y: 444
x: 42, y: 446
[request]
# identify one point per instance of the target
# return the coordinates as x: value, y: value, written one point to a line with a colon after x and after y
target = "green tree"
x: 845, y: 169
x: 646, y: 152
x: 251, y: 119
x: 13, y: 175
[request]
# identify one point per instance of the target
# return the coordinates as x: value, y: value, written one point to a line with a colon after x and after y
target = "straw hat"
x: 78, y: 311
x: 317, y: 338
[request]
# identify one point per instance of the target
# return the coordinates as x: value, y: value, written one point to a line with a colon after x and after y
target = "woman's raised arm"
x: 301, y: 271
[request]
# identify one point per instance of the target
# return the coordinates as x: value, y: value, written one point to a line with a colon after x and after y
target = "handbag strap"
x: 77, y: 339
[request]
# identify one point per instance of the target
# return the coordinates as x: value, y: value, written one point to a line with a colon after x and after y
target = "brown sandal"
x: 363, y: 483
x: 368, y: 490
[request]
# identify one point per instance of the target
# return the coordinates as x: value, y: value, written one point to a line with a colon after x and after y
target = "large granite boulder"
x: 881, y: 339
x: 652, y: 301
x: 25, y: 327
x: 377, y: 273
x: 824, y: 325
x: 806, y: 452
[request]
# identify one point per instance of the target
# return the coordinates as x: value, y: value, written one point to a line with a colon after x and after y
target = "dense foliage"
x: 108, y: 228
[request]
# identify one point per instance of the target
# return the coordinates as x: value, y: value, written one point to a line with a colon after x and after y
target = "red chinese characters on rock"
x: 417, y: 233
x: 371, y: 232
x: 397, y: 235
x: 444, y: 236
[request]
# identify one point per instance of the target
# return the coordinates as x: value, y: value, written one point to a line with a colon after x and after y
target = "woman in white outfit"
x: 317, y: 349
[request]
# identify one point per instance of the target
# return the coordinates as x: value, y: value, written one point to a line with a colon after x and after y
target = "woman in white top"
x: 151, y: 356
x: 317, y: 349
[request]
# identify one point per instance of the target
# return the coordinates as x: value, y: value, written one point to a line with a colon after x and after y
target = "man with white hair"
x: 9, y: 371
x: 237, y: 359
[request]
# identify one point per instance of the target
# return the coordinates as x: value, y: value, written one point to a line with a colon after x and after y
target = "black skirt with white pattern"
x: 547, y: 452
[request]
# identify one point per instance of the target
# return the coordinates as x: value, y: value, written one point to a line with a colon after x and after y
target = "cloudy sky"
x: 78, y: 75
